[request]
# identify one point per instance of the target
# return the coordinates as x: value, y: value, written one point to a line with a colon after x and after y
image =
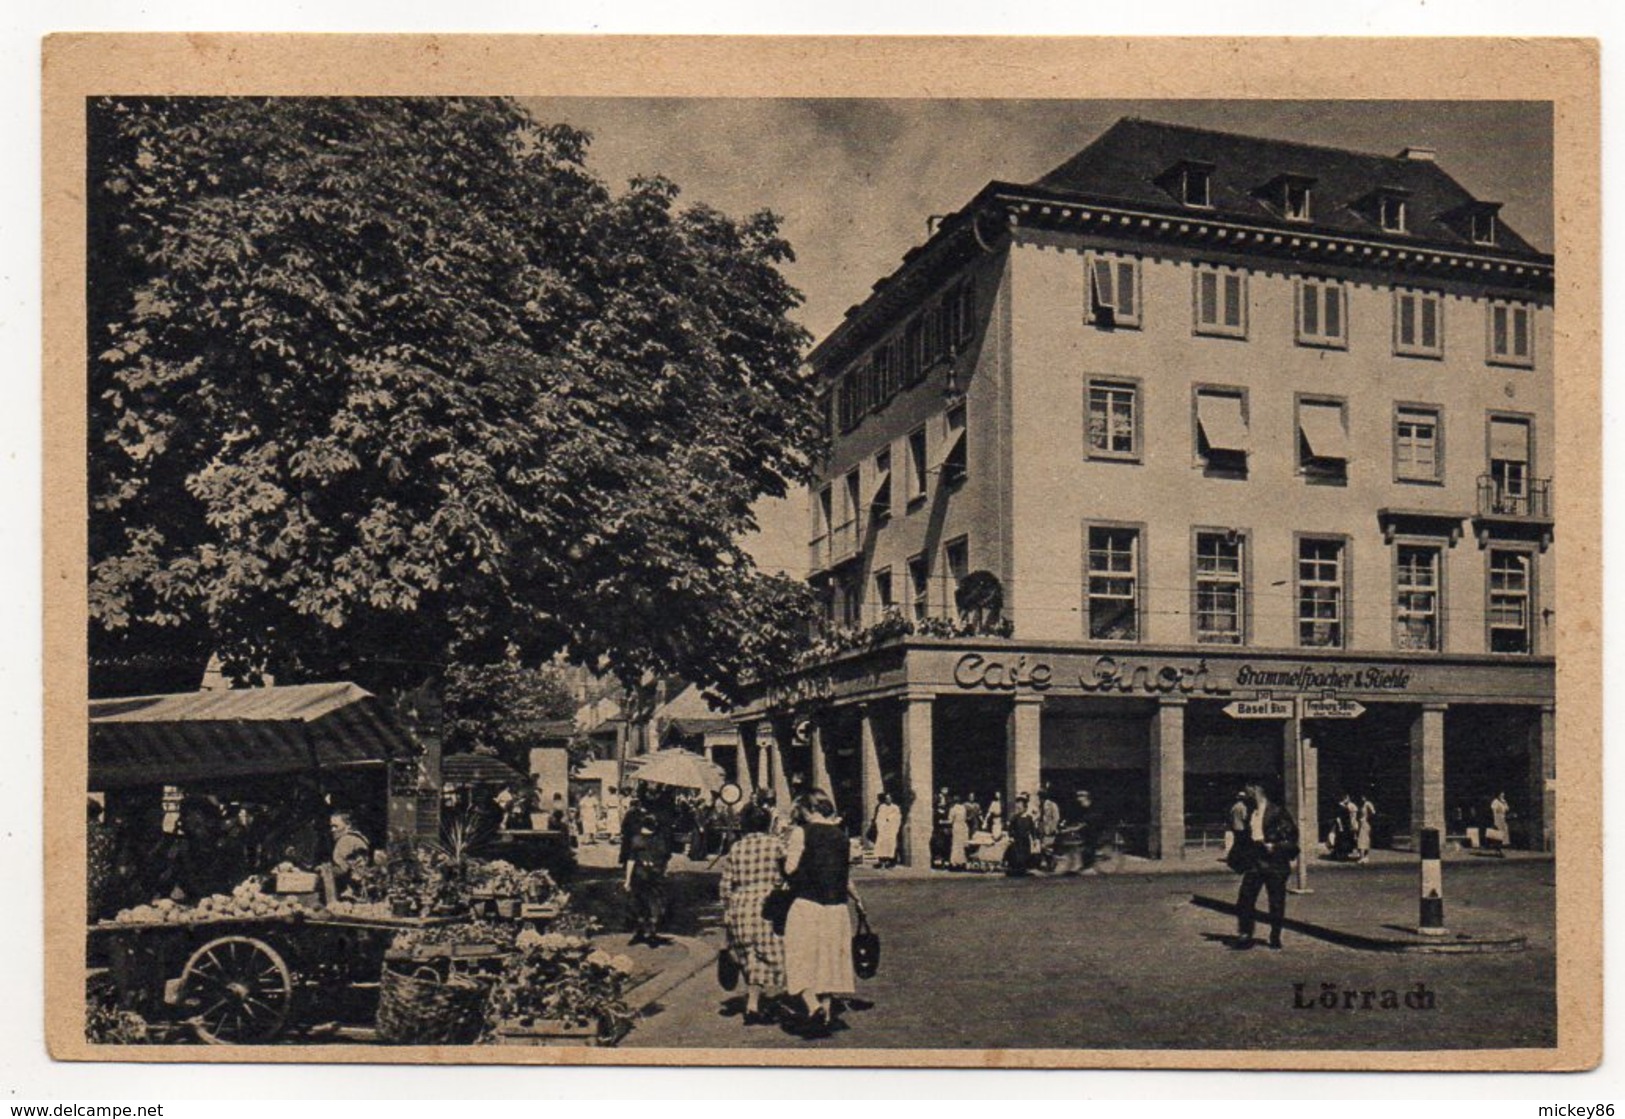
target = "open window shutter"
x: 1100, y: 273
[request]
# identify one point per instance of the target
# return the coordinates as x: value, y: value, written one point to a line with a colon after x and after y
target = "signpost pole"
x: 1301, y: 794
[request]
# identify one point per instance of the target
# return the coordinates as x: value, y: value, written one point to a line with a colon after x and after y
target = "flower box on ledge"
x: 547, y: 1031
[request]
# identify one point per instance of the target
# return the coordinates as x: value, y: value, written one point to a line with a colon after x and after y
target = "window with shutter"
x: 1320, y: 313
x: 1114, y: 290
x: 1511, y: 334
x: 1221, y: 301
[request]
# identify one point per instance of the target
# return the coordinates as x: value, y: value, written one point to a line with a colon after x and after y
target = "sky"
x: 855, y: 180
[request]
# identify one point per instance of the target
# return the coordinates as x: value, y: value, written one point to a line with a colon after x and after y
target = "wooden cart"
x: 244, y: 980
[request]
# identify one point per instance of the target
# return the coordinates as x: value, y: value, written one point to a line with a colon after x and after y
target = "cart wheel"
x: 242, y: 988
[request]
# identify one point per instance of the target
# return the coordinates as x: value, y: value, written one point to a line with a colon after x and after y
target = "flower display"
x: 560, y: 978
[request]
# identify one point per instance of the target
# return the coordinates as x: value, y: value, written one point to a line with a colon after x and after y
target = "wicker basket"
x: 417, y: 1007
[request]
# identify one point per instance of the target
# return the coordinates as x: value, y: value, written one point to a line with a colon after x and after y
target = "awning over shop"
x: 248, y: 732
x: 477, y: 769
x: 1222, y: 422
x: 1322, y: 426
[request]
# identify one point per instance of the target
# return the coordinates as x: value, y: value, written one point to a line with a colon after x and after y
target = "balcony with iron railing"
x: 1513, y: 512
x: 1531, y: 501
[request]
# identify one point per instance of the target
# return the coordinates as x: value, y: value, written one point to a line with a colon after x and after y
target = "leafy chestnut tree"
x: 379, y: 385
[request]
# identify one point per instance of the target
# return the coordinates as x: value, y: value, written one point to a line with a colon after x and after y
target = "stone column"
x: 1542, y: 794
x: 870, y: 781
x: 820, y: 761
x: 1023, y: 755
x: 917, y: 777
x: 1427, y: 770
x: 742, y: 759
x: 777, y: 756
x: 1168, y: 780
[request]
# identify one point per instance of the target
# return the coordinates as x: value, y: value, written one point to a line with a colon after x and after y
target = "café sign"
x: 1110, y: 675
x: 1103, y: 674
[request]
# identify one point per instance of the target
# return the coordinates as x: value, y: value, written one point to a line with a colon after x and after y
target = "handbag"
x: 776, y: 907
x: 865, y: 946
x: 727, y: 970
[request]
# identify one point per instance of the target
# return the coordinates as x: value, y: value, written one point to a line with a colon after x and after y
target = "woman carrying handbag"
x: 818, y: 929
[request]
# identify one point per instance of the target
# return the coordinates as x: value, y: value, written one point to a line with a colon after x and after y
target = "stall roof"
x: 468, y: 769
x: 247, y: 732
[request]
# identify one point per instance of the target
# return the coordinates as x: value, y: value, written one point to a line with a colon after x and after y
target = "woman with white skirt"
x: 818, y: 931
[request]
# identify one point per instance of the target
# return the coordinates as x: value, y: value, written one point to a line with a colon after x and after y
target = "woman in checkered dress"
x: 755, y: 864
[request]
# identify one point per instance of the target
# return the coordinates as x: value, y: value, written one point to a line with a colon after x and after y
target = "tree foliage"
x: 382, y: 384
x: 500, y: 709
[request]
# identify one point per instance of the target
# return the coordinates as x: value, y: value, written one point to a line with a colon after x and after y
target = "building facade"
x: 1202, y: 459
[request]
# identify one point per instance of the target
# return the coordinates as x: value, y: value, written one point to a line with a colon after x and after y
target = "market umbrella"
x: 679, y: 768
x: 478, y: 769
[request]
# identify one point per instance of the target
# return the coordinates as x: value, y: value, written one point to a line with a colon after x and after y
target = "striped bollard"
x: 1432, y: 886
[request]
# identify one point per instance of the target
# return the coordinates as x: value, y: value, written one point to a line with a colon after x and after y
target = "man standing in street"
x: 1263, y: 855
x: 1076, y: 841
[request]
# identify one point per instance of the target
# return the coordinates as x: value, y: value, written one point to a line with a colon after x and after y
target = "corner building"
x: 1248, y: 443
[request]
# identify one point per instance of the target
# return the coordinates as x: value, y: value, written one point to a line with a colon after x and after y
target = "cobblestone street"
x: 1133, y: 962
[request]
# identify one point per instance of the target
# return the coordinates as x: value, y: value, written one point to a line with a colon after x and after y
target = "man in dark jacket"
x: 1263, y: 854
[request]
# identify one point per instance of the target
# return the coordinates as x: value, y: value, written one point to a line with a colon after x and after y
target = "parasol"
x: 679, y: 768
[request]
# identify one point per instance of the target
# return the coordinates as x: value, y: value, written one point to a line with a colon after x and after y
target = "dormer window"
x: 1295, y: 200
x: 1190, y: 182
x: 1393, y: 212
x: 1195, y: 190
x: 1477, y: 221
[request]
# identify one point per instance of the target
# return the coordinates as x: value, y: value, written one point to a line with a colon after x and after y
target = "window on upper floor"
x: 916, y: 465
x: 1510, y: 606
x: 1221, y: 301
x: 912, y: 353
x: 1196, y: 185
x: 1222, y: 437
x: 954, y: 455
x: 1418, y: 591
x: 919, y: 586
x: 1112, y: 585
x: 1322, y: 313
x: 1323, y: 441
x: 1113, y: 283
x: 1418, y: 443
x: 883, y: 590
x: 1219, y: 587
x: 956, y: 562
x: 1113, y: 418
x: 1320, y: 592
x: 1393, y: 212
x: 1511, y: 334
x: 1295, y: 199
x: 1482, y: 227
x: 1511, y: 441
x: 1418, y: 323
x: 880, y: 503
x: 885, y: 370
x: 852, y: 598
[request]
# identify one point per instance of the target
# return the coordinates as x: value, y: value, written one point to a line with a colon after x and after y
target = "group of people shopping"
x: 796, y: 975
x: 1039, y: 833
x: 1349, y: 838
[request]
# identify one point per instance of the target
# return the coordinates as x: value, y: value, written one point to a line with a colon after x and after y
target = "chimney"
x: 1424, y: 155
